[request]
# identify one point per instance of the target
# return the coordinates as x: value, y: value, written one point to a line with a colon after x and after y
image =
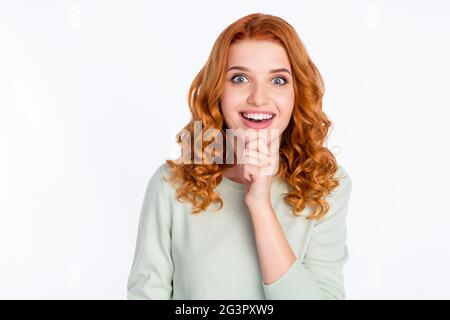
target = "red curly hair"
x: 305, y: 164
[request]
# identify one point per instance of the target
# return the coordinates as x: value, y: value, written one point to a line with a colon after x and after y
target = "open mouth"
x: 257, y: 120
x: 257, y: 117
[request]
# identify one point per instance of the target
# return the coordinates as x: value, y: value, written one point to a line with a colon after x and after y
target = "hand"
x: 259, y: 166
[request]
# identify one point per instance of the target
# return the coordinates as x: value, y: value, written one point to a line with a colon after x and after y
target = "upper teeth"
x: 257, y: 116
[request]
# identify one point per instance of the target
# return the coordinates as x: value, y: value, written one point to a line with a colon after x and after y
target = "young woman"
x: 272, y: 226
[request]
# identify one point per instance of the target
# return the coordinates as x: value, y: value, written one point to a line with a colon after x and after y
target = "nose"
x: 258, y: 96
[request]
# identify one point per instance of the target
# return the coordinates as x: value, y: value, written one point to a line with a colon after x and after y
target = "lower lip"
x: 257, y: 125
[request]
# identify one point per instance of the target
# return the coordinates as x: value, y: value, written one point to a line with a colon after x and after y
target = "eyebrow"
x: 271, y: 71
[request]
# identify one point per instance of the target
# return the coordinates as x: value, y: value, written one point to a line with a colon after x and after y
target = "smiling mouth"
x: 257, y: 118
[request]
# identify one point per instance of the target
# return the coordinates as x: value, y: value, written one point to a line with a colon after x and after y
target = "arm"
x: 275, y: 254
x: 320, y: 274
x: 152, y: 269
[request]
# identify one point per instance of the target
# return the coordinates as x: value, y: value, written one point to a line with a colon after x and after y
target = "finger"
x: 247, y: 137
x: 255, y: 161
x: 247, y: 176
x: 265, y: 169
x: 251, y: 160
x: 270, y: 169
x: 259, y: 156
x: 262, y: 146
x: 252, y: 143
x: 258, y: 144
x: 251, y: 172
x: 257, y: 148
x: 268, y: 166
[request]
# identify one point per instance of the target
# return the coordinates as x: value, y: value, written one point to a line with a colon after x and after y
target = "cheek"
x: 230, y: 102
x: 286, y: 107
x: 230, y: 99
x: 229, y: 105
x: 286, y: 104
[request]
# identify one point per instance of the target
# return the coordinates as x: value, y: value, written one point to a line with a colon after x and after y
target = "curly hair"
x: 304, y: 163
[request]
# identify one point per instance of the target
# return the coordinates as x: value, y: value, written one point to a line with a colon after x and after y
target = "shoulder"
x: 344, y: 189
x: 339, y: 197
x: 158, y: 182
x: 164, y: 171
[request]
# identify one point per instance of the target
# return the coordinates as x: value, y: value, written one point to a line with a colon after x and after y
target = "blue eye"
x: 243, y: 77
x: 237, y: 76
x: 282, y: 84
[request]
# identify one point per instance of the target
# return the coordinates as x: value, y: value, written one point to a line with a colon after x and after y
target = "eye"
x: 239, y: 76
x: 283, y: 79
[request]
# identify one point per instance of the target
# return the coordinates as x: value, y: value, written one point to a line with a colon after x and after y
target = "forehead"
x: 258, y: 55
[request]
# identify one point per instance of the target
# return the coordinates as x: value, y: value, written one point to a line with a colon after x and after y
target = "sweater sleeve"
x: 152, y: 268
x: 320, y: 274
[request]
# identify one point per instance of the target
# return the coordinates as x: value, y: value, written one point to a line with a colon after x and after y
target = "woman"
x: 271, y: 226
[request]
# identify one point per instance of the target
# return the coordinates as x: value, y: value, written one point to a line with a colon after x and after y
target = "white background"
x: 92, y: 94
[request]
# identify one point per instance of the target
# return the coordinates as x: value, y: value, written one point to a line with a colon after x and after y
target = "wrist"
x: 258, y: 205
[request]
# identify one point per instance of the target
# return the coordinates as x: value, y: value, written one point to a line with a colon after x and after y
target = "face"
x: 258, y: 92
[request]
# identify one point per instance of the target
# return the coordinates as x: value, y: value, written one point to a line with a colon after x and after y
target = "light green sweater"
x: 213, y: 255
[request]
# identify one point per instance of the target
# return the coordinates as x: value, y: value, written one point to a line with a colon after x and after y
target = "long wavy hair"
x: 304, y: 163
